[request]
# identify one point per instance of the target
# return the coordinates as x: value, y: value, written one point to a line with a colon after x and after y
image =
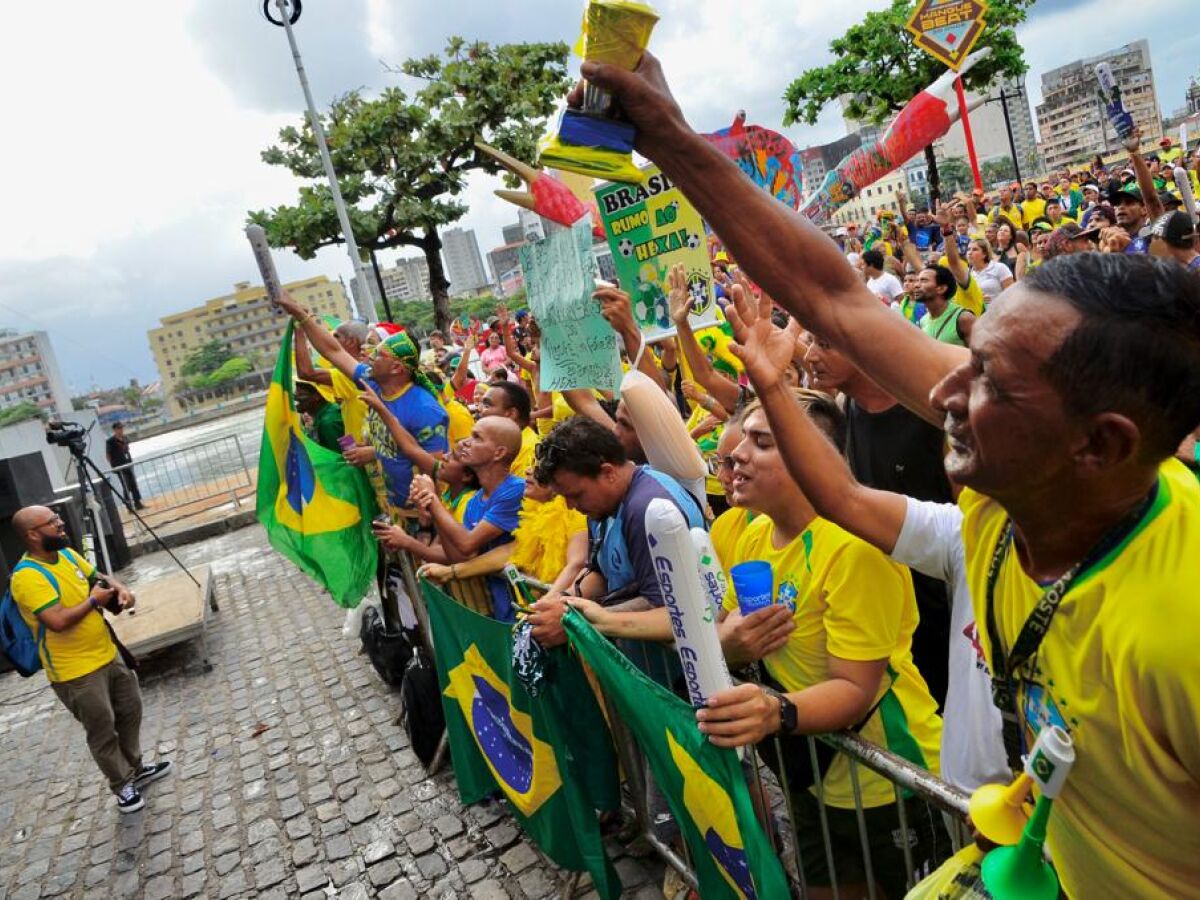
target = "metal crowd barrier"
x: 188, y: 481
x: 773, y: 799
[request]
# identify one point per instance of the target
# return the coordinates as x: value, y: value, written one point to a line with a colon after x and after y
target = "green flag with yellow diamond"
x: 550, y: 755
x: 703, y: 784
x: 315, y: 507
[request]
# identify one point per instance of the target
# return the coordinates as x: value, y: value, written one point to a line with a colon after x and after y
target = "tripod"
x: 91, y: 508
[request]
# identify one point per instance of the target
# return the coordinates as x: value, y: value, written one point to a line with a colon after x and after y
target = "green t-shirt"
x: 945, y: 327
x: 327, y: 427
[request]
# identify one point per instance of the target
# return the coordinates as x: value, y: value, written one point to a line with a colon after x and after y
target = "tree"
x: 207, y: 358
x: 955, y: 174
x: 1000, y: 169
x: 232, y: 368
x: 879, y: 66
x: 19, y: 412
x: 402, y: 161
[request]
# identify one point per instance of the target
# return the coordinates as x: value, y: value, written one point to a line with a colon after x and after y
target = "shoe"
x: 129, y: 800
x: 151, y: 772
x: 139, y: 506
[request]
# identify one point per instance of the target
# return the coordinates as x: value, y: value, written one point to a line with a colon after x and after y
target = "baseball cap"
x: 1128, y: 190
x: 841, y: 232
x: 1169, y: 200
x: 1176, y: 228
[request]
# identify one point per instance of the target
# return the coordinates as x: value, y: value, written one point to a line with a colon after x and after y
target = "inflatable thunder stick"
x: 266, y: 265
x: 1185, y: 191
x: 927, y: 117
x: 692, y: 621
x: 547, y: 196
x: 712, y: 576
x: 663, y: 434
x: 1114, y: 106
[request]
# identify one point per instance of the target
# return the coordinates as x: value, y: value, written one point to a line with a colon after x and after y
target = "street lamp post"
x: 289, y: 12
x: 1005, y: 96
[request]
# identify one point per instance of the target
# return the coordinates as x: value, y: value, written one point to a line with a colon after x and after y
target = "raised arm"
x: 714, y: 383
x: 405, y: 442
x: 459, y: 378
x: 617, y: 309
x: 781, y: 250
x: 1145, y: 180
x: 324, y: 342
x: 510, y: 342
x: 811, y: 459
x: 304, y: 364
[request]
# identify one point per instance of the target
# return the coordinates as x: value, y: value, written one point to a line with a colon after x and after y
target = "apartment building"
x: 244, y: 321
x: 29, y: 372
x: 1071, y: 119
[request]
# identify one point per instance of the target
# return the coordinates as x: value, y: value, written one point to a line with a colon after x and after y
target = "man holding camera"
x: 60, y: 596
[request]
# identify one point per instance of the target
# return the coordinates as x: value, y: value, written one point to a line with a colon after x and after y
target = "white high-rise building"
x: 29, y: 372
x: 464, y: 262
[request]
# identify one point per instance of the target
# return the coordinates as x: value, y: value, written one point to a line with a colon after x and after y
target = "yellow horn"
x: 998, y: 810
x: 518, y: 198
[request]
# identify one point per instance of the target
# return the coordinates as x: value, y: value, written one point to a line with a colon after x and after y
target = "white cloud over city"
x: 134, y: 129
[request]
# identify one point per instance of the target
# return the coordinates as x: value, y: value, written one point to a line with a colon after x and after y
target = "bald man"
x: 491, y: 514
x: 60, y: 595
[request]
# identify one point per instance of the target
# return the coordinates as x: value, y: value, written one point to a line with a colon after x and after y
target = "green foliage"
x: 233, y: 368
x: 997, y: 170
x: 956, y: 174
x: 206, y: 359
x: 403, y: 159
x: 21, y: 412
x: 877, y: 63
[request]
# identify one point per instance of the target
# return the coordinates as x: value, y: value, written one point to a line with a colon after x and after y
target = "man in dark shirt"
x: 892, y: 449
x: 116, y: 448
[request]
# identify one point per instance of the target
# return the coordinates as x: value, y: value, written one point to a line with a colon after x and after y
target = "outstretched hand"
x: 765, y: 350
x: 679, y: 298
x: 616, y: 308
x: 368, y: 396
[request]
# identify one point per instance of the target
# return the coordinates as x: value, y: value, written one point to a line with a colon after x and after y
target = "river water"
x: 209, y: 452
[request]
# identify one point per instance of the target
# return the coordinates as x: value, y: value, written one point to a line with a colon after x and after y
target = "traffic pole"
x: 970, y: 141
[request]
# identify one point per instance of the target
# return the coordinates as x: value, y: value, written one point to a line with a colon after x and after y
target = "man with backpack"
x: 58, y: 596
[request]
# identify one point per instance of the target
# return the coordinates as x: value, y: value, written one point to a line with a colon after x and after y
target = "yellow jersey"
x: 1031, y: 211
x: 727, y: 529
x: 460, y: 421
x: 524, y: 459
x: 1118, y: 669
x: 354, y: 411
x: 850, y: 601
x: 970, y: 297
x: 81, y: 649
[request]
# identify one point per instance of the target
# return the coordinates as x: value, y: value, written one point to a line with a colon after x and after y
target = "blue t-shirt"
x: 501, y: 508
x: 421, y: 415
x: 926, y: 237
x: 1139, y: 244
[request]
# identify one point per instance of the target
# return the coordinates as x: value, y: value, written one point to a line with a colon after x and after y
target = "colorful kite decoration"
x: 769, y: 158
x: 927, y: 117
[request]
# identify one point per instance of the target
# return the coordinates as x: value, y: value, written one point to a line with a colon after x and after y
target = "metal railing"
x: 915, y: 789
x: 188, y: 481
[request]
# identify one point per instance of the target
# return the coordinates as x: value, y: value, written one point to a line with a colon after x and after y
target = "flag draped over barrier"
x: 551, y: 755
x: 703, y: 784
x: 315, y: 507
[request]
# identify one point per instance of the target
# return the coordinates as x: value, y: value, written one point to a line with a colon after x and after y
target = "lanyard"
x: 1005, y: 667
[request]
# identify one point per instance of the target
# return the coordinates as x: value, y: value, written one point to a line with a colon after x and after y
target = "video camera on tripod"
x: 67, y: 434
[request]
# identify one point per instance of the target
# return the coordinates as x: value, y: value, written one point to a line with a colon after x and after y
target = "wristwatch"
x: 787, y: 711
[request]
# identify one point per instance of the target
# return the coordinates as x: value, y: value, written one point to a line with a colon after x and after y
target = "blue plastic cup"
x: 754, y: 582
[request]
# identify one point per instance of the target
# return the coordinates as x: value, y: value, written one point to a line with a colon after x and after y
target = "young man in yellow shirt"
x: 846, y: 663
x: 60, y: 598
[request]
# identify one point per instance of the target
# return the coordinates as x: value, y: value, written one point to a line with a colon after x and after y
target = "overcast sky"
x: 133, y: 129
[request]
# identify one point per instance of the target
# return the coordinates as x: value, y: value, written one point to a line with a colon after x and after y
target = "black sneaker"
x: 151, y: 772
x: 129, y: 800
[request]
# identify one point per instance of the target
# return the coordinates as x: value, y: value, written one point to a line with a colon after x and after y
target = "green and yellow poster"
x: 651, y: 227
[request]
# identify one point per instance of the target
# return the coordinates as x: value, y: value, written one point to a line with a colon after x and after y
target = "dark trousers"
x: 131, y: 488
x: 108, y: 704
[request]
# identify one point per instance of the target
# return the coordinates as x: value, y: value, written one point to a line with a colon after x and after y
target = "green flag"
x: 551, y: 755
x: 703, y: 784
x: 315, y: 507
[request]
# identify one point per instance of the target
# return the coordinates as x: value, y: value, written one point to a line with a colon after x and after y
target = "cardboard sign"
x: 947, y: 29
x: 651, y: 227
x: 579, y: 348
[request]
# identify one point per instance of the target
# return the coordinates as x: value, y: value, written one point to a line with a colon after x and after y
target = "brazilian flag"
x: 315, y: 507
x: 704, y: 785
x: 551, y: 755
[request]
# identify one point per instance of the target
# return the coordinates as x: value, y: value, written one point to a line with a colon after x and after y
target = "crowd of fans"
x: 839, y: 441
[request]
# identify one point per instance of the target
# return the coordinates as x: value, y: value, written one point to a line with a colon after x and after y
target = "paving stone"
x: 226, y: 844
x: 158, y: 865
x: 431, y: 866
x: 232, y: 885
x: 377, y: 850
x: 359, y: 809
x: 290, y: 808
x: 159, y: 888
x: 343, y: 871
x: 519, y: 858
x: 261, y: 830
x: 473, y: 869
x: 399, y: 890
x: 502, y: 835
x: 223, y: 865
x: 304, y: 852
x: 489, y: 890
x: 193, y: 884
x: 298, y: 828
x: 355, y: 891
x: 420, y: 841
x: 338, y: 847
x: 310, y: 878
x: 537, y: 883
x: 269, y: 873
x: 448, y: 826
x: 384, y: 873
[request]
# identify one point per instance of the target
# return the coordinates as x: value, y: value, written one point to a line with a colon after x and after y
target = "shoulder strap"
x: 38, y: 567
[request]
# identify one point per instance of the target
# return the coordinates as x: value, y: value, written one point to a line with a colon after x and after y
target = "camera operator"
x: 116, y: 448
x: 60, y: 597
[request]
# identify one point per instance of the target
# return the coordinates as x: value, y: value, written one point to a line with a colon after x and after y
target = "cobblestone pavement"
x: 292, y: 777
